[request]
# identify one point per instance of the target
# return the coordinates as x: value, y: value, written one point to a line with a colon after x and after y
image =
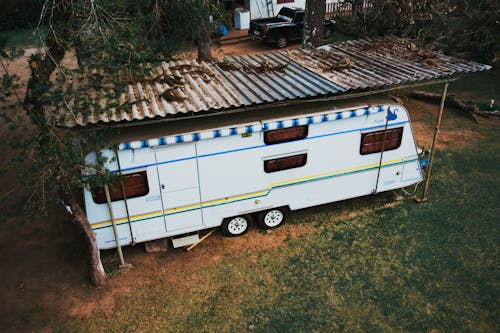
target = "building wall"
x: 259, y: 8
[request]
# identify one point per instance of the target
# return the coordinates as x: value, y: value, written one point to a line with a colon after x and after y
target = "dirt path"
x: 43, y: 262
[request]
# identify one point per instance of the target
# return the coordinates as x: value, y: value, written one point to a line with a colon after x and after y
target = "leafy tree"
x: 478, y: 32
x: 115, y: 42
x: 18, y: 14
x: 471, y: 26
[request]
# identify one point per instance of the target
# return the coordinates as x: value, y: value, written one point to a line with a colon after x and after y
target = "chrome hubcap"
x: 237, y: 225
x: 273, y: 218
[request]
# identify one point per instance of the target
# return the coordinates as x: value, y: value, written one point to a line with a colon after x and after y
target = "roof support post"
x: 113, y: 224
x: 111, y: 213
x: 124, y: 193
x: 382, y: 149
x: 424, y: 198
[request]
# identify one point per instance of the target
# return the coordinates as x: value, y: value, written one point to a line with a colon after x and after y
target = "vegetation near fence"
x: 346, y: 8
x: 17, y: 14
x: 338, y: 9
x: 458, y: 26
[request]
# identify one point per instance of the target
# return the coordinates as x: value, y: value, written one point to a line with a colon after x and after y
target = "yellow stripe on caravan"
x: 132, y: 218
x: 295, y: 180
x: 182, y: 208
x: 243, y: 196
x: 326, y: 174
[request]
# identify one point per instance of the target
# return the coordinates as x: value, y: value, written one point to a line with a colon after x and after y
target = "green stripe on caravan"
x: 252, y: 195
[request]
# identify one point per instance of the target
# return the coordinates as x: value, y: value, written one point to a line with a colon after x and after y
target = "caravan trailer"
x: 180, y: 178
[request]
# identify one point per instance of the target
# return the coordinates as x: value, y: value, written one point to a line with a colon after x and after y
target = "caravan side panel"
x: 146, y: 212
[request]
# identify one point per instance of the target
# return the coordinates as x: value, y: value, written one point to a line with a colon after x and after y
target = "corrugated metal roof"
x: 380, y: 62
x: 189, y: 86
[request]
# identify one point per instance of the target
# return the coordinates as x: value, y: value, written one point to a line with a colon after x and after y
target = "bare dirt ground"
x: 43, y: 262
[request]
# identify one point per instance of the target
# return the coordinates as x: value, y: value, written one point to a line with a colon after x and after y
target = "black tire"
x: 280, y: 41
x: 272, y: 218
x: 236, y: 225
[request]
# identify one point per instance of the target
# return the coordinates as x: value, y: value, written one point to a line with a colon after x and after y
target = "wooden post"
x: 433, y: 147
x: 113, y: 223
x: 124, y: 193
x: 382, y: 150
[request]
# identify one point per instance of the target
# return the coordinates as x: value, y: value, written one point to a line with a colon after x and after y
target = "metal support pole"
x: 433, y: 147
x: 124, y: 193
x: 113, y: 224
x: 382, y: 149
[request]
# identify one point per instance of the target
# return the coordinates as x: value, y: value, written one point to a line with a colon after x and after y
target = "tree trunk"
x: 96, y: 270
x: 204, y: 43
x: 314, y: 24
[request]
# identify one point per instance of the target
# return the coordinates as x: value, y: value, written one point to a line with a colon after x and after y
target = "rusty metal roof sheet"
x: 375, y: 63
x: 186, y: 87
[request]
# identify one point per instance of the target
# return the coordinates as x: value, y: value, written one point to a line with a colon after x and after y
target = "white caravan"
x: 180, y: 178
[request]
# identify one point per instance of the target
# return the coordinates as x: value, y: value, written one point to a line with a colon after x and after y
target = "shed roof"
x: 184, y: 88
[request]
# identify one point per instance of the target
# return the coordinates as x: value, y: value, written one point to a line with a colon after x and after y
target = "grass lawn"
x: 429, y: 267
x: 477, y: 87
x: 338, y: 36
x: 19, y: 38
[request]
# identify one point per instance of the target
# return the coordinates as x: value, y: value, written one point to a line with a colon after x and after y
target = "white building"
x: 269, y: 8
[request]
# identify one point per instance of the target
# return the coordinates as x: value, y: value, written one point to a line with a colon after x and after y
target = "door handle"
x: 162, y: 186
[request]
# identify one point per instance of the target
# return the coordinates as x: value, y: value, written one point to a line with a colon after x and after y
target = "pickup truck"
x: 285, y: 27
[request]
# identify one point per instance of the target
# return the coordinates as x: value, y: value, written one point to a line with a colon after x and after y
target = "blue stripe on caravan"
x: 257, y: 147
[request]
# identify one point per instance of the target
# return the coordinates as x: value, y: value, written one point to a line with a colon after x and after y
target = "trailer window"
x: 285, y: 163
x: 286, y: 134
x: 135, y: 184
x: 372, y: 142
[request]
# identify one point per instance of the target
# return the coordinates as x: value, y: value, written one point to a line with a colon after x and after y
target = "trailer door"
x: 179, y: 187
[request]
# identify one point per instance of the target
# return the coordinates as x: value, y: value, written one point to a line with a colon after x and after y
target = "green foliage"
x: 414, y: 267
x: 453, y: 25
x: 480, y: 34
x: 115, y: 43
x: 20, y: 38
x: 16, y: 14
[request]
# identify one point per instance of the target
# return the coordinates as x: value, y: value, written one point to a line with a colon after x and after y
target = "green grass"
x: 338, y: 36
x: 478, y: 87
x: 413, y: 267
x: 19, y: 38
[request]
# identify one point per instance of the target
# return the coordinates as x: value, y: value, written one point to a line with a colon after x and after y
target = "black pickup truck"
x: 286, y: 26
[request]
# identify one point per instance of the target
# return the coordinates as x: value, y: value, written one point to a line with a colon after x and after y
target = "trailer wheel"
x: 235, y: 226
x: 272, y: 218
x: 281, y: 41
